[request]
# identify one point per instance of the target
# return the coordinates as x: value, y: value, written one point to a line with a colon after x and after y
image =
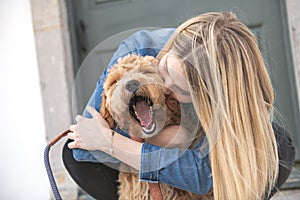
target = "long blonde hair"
x: 233, y: 98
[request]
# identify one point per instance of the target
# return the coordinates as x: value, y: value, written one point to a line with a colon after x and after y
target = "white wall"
x: 22, y: 129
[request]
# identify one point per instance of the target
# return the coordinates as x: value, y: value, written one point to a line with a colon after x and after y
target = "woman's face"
x: 171, y: 69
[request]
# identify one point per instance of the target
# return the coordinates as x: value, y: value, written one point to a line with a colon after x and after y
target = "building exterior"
x: 60, y: 54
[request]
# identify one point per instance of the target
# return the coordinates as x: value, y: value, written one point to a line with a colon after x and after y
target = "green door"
x: 93, y: 21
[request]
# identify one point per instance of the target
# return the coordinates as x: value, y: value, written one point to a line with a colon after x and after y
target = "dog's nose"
x: 132, y: 86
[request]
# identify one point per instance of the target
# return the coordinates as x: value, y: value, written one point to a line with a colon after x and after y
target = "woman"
x: 224, y: 77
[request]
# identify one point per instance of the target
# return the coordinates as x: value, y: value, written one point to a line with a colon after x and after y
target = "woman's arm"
x: 95, y: 134
x: 174, y: 136
x: 188, y: 170
x: 185, y: 169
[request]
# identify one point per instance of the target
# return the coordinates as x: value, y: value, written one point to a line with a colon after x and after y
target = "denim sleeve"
x: 189, y: 170
x: 141, y: 43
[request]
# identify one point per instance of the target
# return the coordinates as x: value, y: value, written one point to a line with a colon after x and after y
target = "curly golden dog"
x: 134, y: 99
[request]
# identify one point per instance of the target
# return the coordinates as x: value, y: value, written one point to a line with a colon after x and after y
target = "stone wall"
x: 293, y: 7
x: 56, y: 75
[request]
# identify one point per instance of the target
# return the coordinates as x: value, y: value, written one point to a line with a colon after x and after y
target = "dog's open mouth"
x: 142, y: 111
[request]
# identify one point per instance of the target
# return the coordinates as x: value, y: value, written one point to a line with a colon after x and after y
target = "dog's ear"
x: 105, y: 112
x: 114, y: 75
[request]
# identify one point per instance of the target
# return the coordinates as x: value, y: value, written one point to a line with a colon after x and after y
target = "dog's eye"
x: 146, y: 73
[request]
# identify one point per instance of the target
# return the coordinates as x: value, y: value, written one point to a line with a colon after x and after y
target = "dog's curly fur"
x: 118, y: 107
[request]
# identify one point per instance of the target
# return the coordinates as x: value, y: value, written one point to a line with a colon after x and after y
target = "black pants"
x: 100, y: 181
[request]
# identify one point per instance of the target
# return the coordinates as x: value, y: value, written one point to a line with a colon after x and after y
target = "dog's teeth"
x: 151, y: 130
x: 136, y: 114
x: 151, y: 110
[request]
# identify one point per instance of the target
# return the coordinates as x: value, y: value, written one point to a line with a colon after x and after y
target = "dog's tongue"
x: 143, y: 111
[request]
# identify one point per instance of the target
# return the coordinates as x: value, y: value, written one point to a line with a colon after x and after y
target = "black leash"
x: 48, y: 166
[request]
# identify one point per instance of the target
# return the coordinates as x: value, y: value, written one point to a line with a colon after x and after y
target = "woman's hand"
x: 90, y: 133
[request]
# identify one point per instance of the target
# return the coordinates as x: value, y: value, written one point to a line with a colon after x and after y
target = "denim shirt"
x: 188, y: 170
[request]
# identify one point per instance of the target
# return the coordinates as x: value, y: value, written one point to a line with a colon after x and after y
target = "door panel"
x: 96, y: 20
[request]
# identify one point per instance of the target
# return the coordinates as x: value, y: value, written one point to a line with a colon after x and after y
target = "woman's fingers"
x: 96, y: 115
x: 73, y: 128
x: 73, y: 135
x: 71, y: 145
x: 77, y: 118
x: 74, y: 144
x: 92, y: 111
x: 87, y: 133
